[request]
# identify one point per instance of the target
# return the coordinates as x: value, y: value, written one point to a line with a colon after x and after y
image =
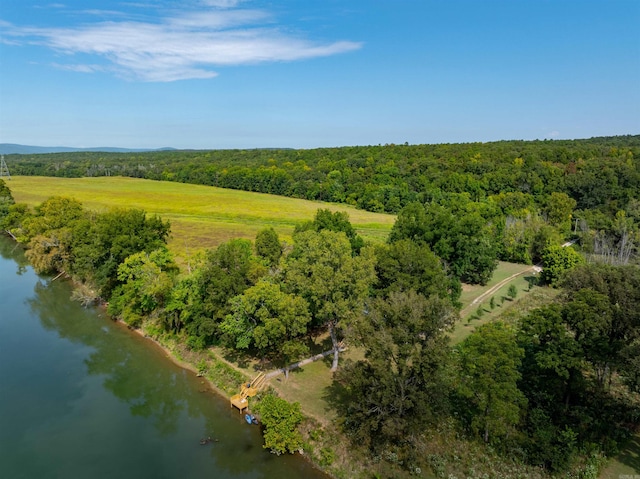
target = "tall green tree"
x: 400, y: 387
x: 323, y: 270
x: 553, y: 358
x: 558, y: 209
x: 603, y: 311
x: 51, y: 233
x: 489, y: 362
x: 337, y: 221
x: 201, y: 300
x: 407, y: 265
x: 280, y: 419
x: 101, y: 245
x: 457, y: 233
x: 556, y: 261
x: 266, y: 319
x: 6, y: 200
x: 572, y: 350
x: 146, y: 283
x: 589, y: 316
x: 13, y: 221
x: 544, y: 237
x: 268, y: 246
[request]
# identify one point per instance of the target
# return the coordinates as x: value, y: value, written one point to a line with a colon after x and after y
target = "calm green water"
x: 82, y: 397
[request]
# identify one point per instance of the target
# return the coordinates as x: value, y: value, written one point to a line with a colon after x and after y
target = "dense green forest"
x: 553, y: 392
x: 597, y: 173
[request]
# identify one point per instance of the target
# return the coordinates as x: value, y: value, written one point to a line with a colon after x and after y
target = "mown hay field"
x: 201, y: 216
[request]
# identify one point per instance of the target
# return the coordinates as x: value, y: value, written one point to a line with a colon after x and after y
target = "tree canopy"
x: 322, y: 269
x: 462, y: 238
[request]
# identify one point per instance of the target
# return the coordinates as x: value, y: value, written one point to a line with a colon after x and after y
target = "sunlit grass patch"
x: 625, y: 464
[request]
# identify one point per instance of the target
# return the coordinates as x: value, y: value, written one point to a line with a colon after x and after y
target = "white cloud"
x: 217, y: 20
x: 184, y: 46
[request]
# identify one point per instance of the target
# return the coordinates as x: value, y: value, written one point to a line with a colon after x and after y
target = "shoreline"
x: 168, y: 352
x: 174, y: 359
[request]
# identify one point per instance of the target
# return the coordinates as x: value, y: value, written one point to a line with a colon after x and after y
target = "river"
x: 83, y: 397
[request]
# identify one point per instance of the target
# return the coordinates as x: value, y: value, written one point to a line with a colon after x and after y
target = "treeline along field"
x: 200, y: 216
x: 588, y: 187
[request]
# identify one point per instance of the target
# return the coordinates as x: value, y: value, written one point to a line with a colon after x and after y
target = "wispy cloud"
x: 79, y: 68
x: 103, y: 13
x: 183, y: 46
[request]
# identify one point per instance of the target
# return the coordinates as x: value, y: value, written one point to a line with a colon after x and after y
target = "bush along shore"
x: 552, y: 393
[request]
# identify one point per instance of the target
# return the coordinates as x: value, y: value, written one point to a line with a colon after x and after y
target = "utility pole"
x: 4, y: 169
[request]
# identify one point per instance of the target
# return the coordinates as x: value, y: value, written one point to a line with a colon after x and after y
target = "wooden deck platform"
x: 239, y: 402
x: 247, y: 390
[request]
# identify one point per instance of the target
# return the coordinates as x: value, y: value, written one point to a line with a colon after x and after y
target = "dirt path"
x: 536, y: 268
x: 299, y: 364
x: 495, y: 288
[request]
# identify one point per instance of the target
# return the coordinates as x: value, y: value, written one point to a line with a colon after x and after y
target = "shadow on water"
x: 133, y: 374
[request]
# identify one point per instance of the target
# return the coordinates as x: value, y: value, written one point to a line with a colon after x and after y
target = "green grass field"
x: 509, y: 311
x: 201, y: 216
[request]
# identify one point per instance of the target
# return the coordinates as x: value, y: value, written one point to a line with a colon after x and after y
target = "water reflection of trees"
x: 135, y: 375
x: 9, y: 249
x: 130, y: 373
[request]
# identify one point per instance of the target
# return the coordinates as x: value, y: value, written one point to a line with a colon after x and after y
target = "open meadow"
x: 201, y: 216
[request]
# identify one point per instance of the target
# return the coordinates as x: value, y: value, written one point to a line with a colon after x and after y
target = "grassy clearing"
x: 310, y: 385
x: 503, y: 304
x: 201, y: 216
x: 509, y: 311
x: 502, y: 272
x: 627, y: 463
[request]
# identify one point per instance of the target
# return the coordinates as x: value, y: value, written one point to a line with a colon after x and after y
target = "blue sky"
x: 312, y: 73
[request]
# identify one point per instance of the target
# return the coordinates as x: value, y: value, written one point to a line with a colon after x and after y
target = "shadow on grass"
x: 318, y: 341
x: 238, y: 357
x: 328, y: 360
x: 531, y: 282
x: 630, y: 455
x: 283, y: 378
x: 337, y: 398
x: 317, y: 345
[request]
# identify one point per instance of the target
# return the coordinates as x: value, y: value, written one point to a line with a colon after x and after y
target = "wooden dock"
x: 241, y: 401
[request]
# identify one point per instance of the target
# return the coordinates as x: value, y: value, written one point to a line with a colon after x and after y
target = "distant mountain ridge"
x: 15, y: 149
